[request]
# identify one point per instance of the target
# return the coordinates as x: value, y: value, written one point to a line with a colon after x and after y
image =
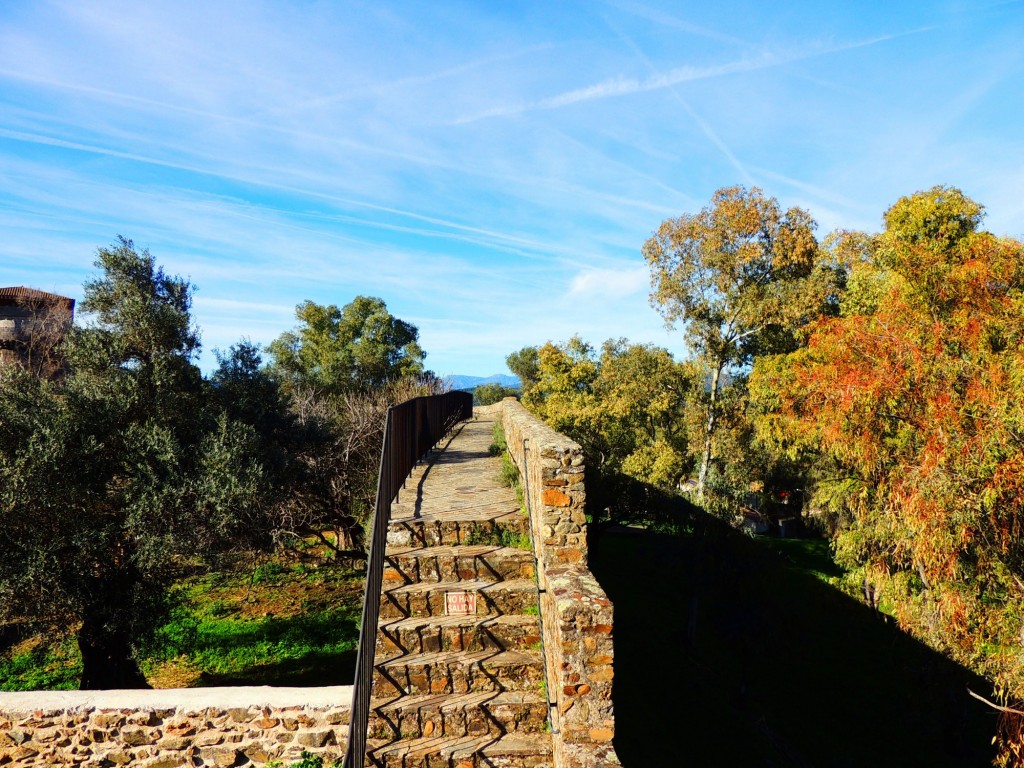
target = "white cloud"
x: 274, y: 152
x: 604, y: 283
x: 625, y: 86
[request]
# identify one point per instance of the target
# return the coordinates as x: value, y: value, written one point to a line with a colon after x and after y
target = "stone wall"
x: 575, y: 611
x: 552, y: 471
x: 170, y: 728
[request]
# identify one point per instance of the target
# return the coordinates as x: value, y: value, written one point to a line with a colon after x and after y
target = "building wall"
x: 19, y: 309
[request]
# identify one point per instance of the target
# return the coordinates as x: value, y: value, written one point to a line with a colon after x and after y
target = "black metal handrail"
x: 411, y: 430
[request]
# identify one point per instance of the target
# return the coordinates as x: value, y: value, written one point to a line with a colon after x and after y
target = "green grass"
x: 498, y: 537
x: 498, y: 445
x: 509, y: 474
x: 287, y: 651
x: 280, y: 624
x: 277, y: 623
x: 308, y: 761
x: 36, y: 665
x: 515, y: 539
x: 809, y: 556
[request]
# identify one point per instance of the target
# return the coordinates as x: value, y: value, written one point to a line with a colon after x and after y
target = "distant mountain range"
x: 472, y: 382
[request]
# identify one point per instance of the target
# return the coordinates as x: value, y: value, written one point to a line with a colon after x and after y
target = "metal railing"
x: 411, y: 430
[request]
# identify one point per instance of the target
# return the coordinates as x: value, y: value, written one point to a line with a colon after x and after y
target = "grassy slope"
x: 273, y: 624
x: 784, y: 670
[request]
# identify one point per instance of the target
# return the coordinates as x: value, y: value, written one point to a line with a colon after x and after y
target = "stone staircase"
x: 453, y: 689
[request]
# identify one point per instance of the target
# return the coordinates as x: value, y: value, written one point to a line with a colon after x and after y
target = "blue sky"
x: 489, y: 169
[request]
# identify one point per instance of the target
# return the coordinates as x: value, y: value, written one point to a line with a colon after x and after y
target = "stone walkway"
x: 459, y: 680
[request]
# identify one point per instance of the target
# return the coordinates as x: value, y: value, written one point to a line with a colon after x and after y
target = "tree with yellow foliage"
x: 740, y: 276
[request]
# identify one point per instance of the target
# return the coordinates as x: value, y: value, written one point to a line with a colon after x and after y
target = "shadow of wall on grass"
x: 730, y: 653
x: 313, y: 670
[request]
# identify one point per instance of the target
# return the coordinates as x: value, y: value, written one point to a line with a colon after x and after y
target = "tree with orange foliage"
x: 917, y: 393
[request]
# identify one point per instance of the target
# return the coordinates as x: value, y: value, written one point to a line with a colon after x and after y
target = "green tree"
x: 341, y: 369
x: 563, y: 392
x: 627, y: 406
x: 320, y: 452
x: 642, y: 397
x: 525, y: 363
x: 111, y: 475
x: 359, y: 347
x: 486, y: 394
x: 741, y: 276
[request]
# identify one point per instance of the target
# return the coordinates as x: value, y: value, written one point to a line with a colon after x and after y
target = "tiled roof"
x: 21, y: 293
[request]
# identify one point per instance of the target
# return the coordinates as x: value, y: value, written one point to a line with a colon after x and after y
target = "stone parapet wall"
x: 576, y: 613
x: 552, y: 470
x: 170, y: 728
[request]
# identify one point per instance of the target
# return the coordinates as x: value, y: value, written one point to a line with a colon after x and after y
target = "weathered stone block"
x: 225, y: 758
x: 173, y: 743
x: 241, y: 715
x: 261, y: 754
x: 164, y: 761
x: 337, y: 716
x: 315, y: 739
x: 118, y: 757
x: 553, y: 497
x: 143, y: 718
x: 208, y: 739
x: 136, y: 737
x: 109, y: 719
x: 180, y: 728
x: 24, y: 753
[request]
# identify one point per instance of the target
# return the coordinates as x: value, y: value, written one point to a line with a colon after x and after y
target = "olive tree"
x: 114, y: 475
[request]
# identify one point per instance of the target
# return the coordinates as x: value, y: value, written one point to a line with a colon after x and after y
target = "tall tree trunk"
x: 107, y: 660
x: 709, y: 431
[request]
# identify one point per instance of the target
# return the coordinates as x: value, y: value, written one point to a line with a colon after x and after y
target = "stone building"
x: 32, y: 323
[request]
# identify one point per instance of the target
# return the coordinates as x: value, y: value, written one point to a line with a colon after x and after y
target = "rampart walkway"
x: 459, y: 675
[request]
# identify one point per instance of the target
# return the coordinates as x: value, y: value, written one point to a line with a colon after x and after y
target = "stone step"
x: 471, y: 495
x: 494, y: 598
x: 408, y: 565
x: 428, y: 752
x: 514, y: 750
x: 517, y: 750
x: 459, y: 527
x: 458, y: 672
x: 430, y: 634
x: 473, y: 714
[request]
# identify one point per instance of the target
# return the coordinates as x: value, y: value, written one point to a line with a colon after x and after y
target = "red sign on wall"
x: 460, y: 603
